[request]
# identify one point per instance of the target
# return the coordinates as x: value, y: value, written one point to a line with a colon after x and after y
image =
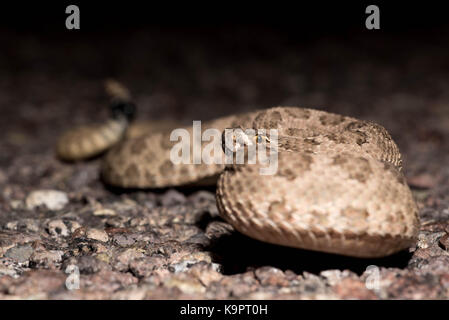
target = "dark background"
x: 203, y: 60
x: 208, y: 59
x: 308, y: 16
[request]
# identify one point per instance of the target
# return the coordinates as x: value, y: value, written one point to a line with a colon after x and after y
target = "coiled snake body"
x: 338, y: 188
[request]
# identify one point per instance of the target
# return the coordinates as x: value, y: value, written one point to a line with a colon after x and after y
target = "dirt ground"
x: 171, y: 244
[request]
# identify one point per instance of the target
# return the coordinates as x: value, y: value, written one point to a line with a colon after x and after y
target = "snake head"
x: 240, y: 143
x: 234, y: 139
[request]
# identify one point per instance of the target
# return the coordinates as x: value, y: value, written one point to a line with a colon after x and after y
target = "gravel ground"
x: 171, y: 244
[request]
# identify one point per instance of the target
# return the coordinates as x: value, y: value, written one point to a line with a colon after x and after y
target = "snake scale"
x: 338, y: 188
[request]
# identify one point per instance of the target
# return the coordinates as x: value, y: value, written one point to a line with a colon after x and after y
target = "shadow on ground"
x: 238, y: 253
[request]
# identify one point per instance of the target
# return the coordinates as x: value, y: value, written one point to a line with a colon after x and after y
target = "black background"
x: 291, y: 16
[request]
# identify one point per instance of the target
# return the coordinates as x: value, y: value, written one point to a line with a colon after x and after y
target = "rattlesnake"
x: 338, y: 188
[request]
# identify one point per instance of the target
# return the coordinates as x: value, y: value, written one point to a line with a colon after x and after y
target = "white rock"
x: 16, y: 204
x: 57, y: 227
x: 52, y: 199
x: 104, y: 212
x: 44, y: 257
x: 97, y: 234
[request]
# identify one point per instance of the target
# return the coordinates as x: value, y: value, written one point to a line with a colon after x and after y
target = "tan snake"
x: 338, y: 188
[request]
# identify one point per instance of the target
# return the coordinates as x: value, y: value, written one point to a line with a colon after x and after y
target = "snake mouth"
x: 237, y: 139
x: 234, y: 140
x: 251, y: 147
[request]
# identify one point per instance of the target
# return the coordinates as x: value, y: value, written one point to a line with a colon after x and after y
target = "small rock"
x: 189, y: 259
x: 103, y: 255
x: 433, y: 226
x: 349, y: 288
x: 124, y: 240
x: 50, y: 258
x: 16, y: 204
x: 35, y: 284
x: 181, y: 266
x: 206, y: 200
x: 57, y: 228
x: 83, y: 176
x: 172, y: 198
x: 203, y: 197
x: 8, y: 267
x: 240, y: 284
x: 144, y: 267
x: 185, y: 284
x: 422, y: 242
x: 90, y: 264
x: 124, y: 259
x: 444, y: 242
x: 23, y: 225
x: 97, y: 234
x: 54, y: 200
x: 206, y: 273
x: 116, y: 222
x: 199, y: 238
x: 269, y: 276
x: 79, y: 233
x: 218, y: 229
x: 138, y: 221
x: 104, y: 212
x: 335, y: 276
x: 130, y: 294
x: 73, y: 225
x: 20, y: 253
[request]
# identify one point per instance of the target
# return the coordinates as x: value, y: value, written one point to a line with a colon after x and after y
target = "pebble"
x: 104, y: 212
x: 47, y: 258
x: 16, y: 204
x: 202, y: 197
x: 9, y: 270
x: 422, y: 242
x: 182, y: 266
x: 52, y: 199
x: 172, y: 198
x: 124, y: 240
x: 270, y: 276
x: 444, y: 242
x: 334, y: 276
x: 20, y: 253
x: 206, y: 273
x: 124, y: 259
x: 97, y: 234
x: 73, y: 226
x: 185, y: 284
x: 57, y: 228
x: 25, y: 225
x: 144, y: 267
x: 206, y: 200
x: 90, y: 264
x: 349, y: 288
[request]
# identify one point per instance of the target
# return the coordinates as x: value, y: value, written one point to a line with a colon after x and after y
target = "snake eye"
x: 260, y: 138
